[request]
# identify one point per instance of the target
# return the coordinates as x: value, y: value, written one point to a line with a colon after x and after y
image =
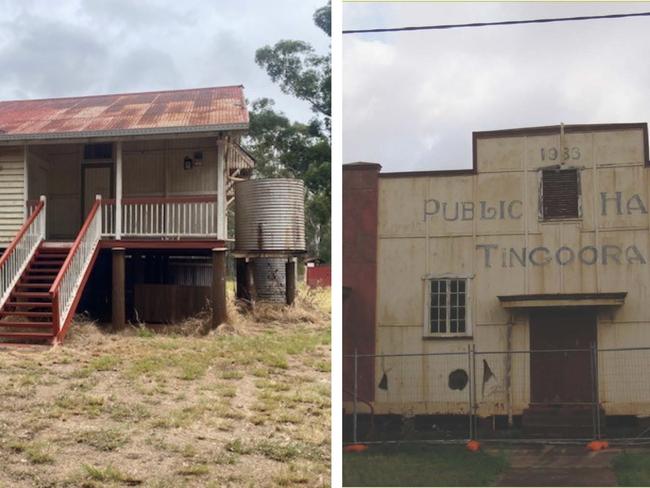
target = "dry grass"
x: 246, y: 405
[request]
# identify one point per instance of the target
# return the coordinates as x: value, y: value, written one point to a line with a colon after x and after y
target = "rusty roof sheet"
x: 165, y: 112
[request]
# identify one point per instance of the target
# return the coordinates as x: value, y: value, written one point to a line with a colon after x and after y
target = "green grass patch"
x: 231, y: 374
x: 238, y: 447
x: 107, y: 474
x: 421, y: 465
x: 277, y: 451
x: 105, y: 363
x: 36, y: 453
x: 103, y: 440
x: 77, y: 404
x: 632, y: 469
x: 145, y: 332
x: 282, y: 452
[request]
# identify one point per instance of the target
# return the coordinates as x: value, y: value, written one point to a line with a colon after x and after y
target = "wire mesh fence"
x: 561, y: 394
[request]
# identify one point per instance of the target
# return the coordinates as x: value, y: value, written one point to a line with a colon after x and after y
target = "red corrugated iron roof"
x: 177, y: 111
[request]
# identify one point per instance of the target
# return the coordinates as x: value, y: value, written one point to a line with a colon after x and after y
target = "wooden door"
x: 97, y: 180
x: 561, y: 376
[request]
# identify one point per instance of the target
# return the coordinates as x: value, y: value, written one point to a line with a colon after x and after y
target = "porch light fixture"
x: 187, y: 163
x: 198, y: 158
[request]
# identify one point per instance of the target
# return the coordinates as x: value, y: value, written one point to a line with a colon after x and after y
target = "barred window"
x: 447, y: 307
x: 560, y: 196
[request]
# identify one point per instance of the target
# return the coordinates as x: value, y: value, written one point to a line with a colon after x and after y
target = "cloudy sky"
x: 411, y: 100
x: 86, y: 47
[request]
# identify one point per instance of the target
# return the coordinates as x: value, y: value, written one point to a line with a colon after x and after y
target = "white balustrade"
x: 68, y: 281
x: 20, y: 252
x: 163, y: 217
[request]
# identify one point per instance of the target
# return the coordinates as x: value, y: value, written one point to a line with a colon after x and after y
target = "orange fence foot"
x: 355, y: 448
x: 473, y: 446
x: 597, y: 445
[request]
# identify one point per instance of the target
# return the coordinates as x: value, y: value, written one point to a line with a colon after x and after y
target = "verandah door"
x: 97, y: 179
x: 563, y: 376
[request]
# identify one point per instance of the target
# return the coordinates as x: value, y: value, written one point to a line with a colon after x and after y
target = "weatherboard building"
x: 543, y: 244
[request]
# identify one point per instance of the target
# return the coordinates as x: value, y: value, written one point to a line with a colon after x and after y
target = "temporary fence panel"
x: 624, y: 383
x: 495, y: 390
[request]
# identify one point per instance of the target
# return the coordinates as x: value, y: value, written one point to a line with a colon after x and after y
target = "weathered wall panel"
x: 12, y: 181
x: 200, y: 180
x: 156, y: 168
x: 399, y: 197
x: 501, y: 154
x: 144, y: 173
x: 468, y: 225
x: 150, y: 168
x: 400, y: 305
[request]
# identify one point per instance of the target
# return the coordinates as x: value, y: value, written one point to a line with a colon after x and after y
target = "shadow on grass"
x: 421, y: 465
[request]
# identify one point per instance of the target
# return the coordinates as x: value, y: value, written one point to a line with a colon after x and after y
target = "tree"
x: 283, y: 148
x: 299, y: 70
x: 292, y: 149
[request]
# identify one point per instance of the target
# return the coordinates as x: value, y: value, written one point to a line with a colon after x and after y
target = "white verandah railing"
x: 192, y: 216
x: 16, y: 257
x: 67, y: 282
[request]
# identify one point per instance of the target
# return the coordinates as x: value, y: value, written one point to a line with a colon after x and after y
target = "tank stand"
x: 246, y: 264
x: 290, y: 281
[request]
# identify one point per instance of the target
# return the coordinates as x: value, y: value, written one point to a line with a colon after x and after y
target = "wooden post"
x: 118, y: 190
x: 240, y: 273
x: 222, y: 217
x: 508, y: 372
x: 119, y: 312
x: 290, y: 277
x: 250, y: 281
x: 219, y: 311
x: 26, y: 181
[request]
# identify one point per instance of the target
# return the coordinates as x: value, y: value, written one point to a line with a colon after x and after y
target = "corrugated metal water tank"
x: 270, y: 215
x: 270, y: 279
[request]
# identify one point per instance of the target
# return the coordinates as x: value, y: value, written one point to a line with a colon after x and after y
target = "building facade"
x: 543, y: 244
x: 135, y: 187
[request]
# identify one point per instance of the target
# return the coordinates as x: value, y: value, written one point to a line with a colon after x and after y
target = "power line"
x: 487, y: 24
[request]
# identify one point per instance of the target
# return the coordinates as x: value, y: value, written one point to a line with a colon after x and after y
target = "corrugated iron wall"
x: 270, y: 279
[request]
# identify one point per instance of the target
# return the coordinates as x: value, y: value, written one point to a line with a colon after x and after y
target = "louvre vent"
x: 560, y: 194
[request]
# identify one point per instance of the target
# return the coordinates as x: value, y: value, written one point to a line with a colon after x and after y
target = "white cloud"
x: 85, y: 47
x: 412, y: 99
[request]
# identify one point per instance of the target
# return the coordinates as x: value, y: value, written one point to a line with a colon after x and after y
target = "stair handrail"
x: 67, y: 281
x: 21, y: 250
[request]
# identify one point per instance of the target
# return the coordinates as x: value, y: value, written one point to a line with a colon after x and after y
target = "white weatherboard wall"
x: 155, y: 168
x: 413, y: 244
x: 151, y: 168
x: 12, y: 187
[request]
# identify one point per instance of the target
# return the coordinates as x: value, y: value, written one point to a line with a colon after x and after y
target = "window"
x: 560, y: 194
x: 103, y: 150
x: 447, y: 307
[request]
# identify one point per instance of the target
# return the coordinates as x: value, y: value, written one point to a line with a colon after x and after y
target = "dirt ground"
x: 247, y: 405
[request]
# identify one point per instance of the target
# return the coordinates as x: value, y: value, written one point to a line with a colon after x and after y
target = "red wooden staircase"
x: 27, y: 315
x: 41, y: 283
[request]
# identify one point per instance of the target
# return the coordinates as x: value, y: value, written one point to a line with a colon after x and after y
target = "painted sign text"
x: 614, y: 203
x: 452, y: 211
x: 607, y: 254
